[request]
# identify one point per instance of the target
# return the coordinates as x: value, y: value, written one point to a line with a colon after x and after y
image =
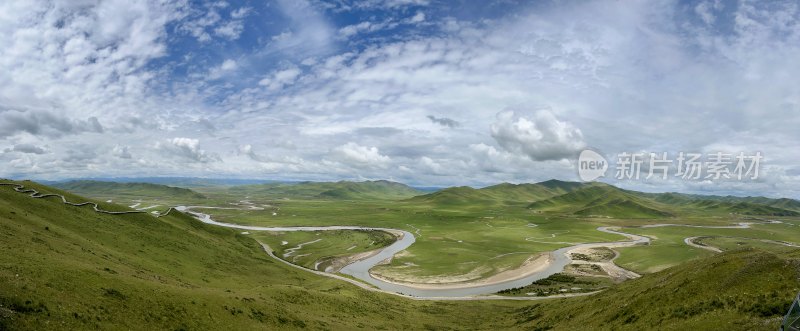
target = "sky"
x: 425, y: 92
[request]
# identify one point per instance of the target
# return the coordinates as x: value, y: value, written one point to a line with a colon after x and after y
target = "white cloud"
x: 359, y: 156
x: 187, y: 148
x: 206, y: 21
x: 26, y: 148
x: 431, y: 166
x: 389, y: 4
x: 280, y: 79
x: 241, y: 12
x: 44, y: 123
x: 541, y: 137
x: 370, y: 26
x: 230, y: 30
x: 309, y: 31
x: 103, y: 75
x: 418, y: 17
x: 121, y: 152
x: 225, y: 68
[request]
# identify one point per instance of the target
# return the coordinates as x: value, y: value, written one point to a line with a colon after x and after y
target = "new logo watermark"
x: 591, y: 165
x: 689, y: 166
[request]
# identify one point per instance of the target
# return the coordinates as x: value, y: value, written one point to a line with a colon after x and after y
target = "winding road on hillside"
x: 360, y: 269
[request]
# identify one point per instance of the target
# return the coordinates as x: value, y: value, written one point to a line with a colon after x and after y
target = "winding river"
x: 360, y: 269
x: 558, y: 259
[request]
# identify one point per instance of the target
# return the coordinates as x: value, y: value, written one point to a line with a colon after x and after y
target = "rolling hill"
x: 130, y: 190
x: 342, y: 190
x: 500, y: 194
x: 520, y: 192
x: 455, y: 196
x: 598, y: 199
x: 561, y: 187
x: 70, y: 268
x: 740, y: 290
x: 756, y: 206
x: 603, y: 200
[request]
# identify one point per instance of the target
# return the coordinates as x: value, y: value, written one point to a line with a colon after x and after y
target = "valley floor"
x: 77, y: 267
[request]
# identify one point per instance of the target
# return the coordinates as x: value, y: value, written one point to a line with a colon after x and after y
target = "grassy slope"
x: 456, y: 197
x: 605, y: 200
x: 741, y: 290
x: 71, y: 268
x: 112, y: 189
x: 342, y: 190
x: 496, y: 195
x: 519, y: 192
x: 668, y: 248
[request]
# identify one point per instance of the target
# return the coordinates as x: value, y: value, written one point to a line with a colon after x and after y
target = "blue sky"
x: 425, y: 92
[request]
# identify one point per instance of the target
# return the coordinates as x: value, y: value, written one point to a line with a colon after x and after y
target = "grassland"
x: 72, y: 268
x: 669, y: 249
x: 319, y: 250
x: 739, y: 290
x: 448, y: 243
x: 465, y: 233
x: 736, y: 243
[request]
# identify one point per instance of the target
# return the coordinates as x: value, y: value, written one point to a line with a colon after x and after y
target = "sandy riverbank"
x: 530, y: 266
x: 340, y: 262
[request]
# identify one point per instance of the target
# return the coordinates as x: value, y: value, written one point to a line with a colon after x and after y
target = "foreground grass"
x: 740, y: 290
x: 71, y: 268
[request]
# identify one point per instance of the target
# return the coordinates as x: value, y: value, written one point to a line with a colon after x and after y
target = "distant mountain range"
x: 171, y: 181
x: 553, y: 197
x: 84, y: 269
x: 99, y: 189
x: 603, y: 200
x: 342, y: 190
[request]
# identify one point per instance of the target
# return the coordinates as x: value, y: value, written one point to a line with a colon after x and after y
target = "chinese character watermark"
x: 689, y: 166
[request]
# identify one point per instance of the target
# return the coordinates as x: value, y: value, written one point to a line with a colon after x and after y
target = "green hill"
x: 379, y: 189
x: 757, y: 206
x: 71, y: 268
x: 561, y: 187
x: 519, y: 192
x: 621, y: 208
x: 606, y: 200
x: 740, y: 290
x: 129, y: 190
x: 342, y: 190
x: 500, y: 194
x: 599, y: 199
x: 455, y: 196
x: 784, y: 203
x: 749, y: 208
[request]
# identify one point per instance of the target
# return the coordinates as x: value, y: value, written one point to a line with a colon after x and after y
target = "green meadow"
x: 74, y: 268
x: 669, y: 249
x: 317, y: 249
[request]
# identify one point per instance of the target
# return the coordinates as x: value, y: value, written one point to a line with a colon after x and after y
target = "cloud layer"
x: 423, y: 92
